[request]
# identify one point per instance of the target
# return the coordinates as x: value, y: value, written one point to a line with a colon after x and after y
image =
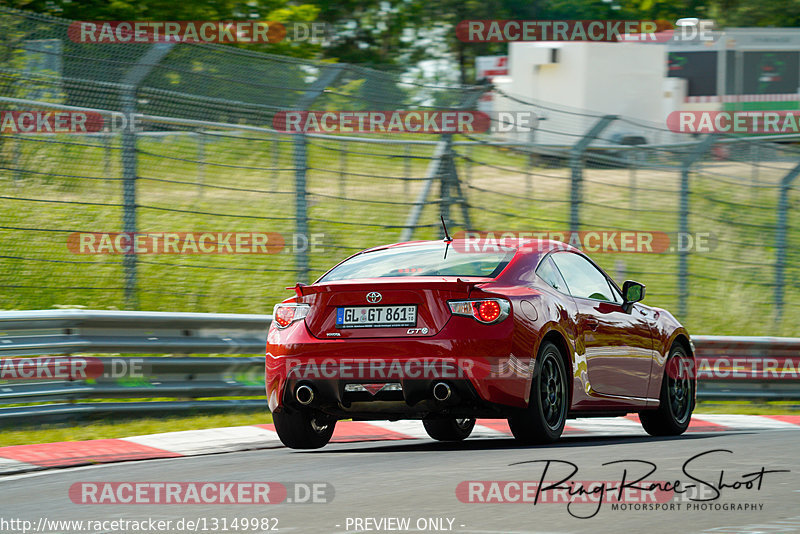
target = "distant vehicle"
x: 533, y: 332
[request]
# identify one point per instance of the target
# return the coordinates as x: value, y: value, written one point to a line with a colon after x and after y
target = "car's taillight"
x: 488, y: 311
x: 482, y: 310
x: 285, y: 314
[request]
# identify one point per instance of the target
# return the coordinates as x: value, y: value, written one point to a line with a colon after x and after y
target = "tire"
x: 676, y: 400
x: 303, y: 429
x: 544, y: 419
x: 449, y: 429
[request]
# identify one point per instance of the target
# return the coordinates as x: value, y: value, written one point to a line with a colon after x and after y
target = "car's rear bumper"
x: 482, y: 374
x: 414, y: 400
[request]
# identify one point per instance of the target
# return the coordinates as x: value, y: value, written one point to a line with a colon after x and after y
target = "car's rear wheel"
x: 303, y: 429
x: 676, y: 399
x: 449, y: 429
x: 546, y: 416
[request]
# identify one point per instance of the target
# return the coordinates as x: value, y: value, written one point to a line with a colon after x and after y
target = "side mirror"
x: 631, y: 292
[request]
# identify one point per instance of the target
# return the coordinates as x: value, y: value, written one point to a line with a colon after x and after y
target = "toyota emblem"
x: 374, y: 297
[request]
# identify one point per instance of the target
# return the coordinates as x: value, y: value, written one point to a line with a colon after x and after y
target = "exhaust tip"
x: 441, y: 391
x: 304, y: 394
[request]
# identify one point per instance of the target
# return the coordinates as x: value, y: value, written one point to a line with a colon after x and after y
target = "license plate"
x: 376, y: 316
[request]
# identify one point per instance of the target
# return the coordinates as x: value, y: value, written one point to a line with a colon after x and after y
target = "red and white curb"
x: 21, y: 458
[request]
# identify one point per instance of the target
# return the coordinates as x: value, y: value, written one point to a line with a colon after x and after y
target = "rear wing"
x: 371, y: 284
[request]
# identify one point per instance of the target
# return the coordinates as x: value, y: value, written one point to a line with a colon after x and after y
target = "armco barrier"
x: 63, y: 333
x: 724, y: 372
x: 747, y: 367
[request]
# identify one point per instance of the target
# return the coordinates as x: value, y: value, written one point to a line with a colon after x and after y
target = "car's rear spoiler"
x: 459, y: 284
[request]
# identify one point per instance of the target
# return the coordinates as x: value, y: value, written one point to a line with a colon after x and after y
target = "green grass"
x: 106, y: 429
x: 248, y: 182
x: 749, y: 408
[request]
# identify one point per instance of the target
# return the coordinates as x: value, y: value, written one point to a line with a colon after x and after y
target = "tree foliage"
x: 400, y: 33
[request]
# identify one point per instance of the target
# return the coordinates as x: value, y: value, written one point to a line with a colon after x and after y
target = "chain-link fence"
x: 717, y: 237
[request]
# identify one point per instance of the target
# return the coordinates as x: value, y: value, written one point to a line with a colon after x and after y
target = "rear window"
x: 420, y: 260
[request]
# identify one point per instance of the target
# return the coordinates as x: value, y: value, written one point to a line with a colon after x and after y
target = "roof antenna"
x: 447, y: 238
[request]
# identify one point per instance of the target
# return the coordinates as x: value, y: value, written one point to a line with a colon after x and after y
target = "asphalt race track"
x: 377, y: 486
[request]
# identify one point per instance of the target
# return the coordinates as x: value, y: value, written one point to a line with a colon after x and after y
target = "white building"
x: 567, y: 78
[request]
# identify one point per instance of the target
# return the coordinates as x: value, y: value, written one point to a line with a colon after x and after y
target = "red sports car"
x: 447, y: 331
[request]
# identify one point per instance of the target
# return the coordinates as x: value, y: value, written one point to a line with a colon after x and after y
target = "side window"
x: 548, y: 272
x: 583, y: 279
x: 616, y: 296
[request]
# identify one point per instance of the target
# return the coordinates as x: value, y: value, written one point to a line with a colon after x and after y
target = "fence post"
x: 130, y: 84
x: 301, y: 203
x: 530, y: 164
x: 780, y: 240
x: 325, y: 78
x: 443, y: 168
x: 691, y: 158
x: 755, y: 157
x: 17, y: 161
x: 107, y: 153
x: 419, y: 203
x: 276, y: 161
x: 576, y: 164
x: 201, y: 161
x: 129, y: 164
x: 342, y: 170
x: 406, y: 167
x: 632, y: 159
x: 447, y: 181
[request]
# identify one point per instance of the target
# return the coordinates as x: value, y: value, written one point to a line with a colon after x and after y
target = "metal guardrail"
x: 69, y: 331
x: 64, y: 333
x: 208, y: 383
x: 741, y: 367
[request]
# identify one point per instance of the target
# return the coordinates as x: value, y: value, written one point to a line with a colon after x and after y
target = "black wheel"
x: 676, y: 400
x: 449, y: 429
x: 303, y: 429
x: 544, y: 420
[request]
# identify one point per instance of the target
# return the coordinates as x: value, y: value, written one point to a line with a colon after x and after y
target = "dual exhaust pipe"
x: 442, y: 391
x: 304, y: 394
